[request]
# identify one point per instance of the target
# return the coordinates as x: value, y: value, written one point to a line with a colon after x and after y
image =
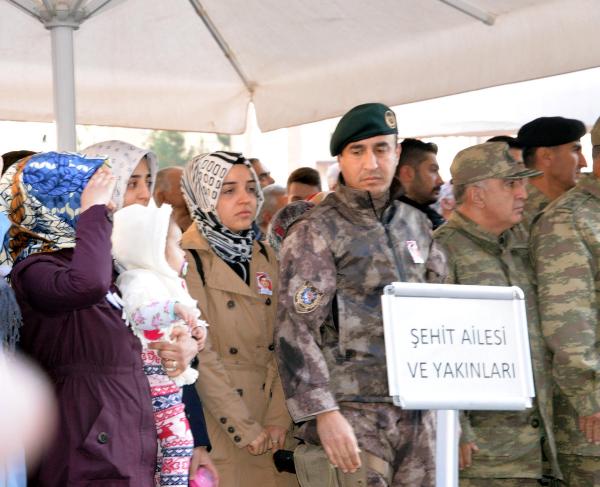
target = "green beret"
x: 486, y: 161
x: 362, y: 122
x: 550, y: 132
x: 596, y: 133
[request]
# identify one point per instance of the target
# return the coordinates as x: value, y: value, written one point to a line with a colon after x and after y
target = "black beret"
x: 550, y: 131
x: 362, y: 122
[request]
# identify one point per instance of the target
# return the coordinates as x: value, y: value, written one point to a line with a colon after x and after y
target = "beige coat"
x: 238, y: 384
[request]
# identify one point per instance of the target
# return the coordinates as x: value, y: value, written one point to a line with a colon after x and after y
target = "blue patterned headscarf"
x: 42, y: 197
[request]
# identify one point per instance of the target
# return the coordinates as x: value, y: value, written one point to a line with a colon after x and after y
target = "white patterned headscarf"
x: 201, y: 186
x: 124, y: 158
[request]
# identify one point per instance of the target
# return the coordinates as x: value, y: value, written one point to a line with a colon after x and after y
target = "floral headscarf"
x: 124, y: 158
x: 41, y: 195
x: 201, y: 185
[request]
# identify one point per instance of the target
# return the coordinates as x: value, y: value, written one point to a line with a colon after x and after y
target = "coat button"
x: 237, y: 439
x: 240, y: 391
x: 233, y: 350
x: 223, y: 420
x: 272, y: 347
x: 103, y: 438
x: 268, y: 301
x: 231, y: 429
x: 230, y: 304
x: 535, y: 423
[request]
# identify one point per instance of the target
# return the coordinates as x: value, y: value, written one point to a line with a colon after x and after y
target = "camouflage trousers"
x: 579, y: 470
x: 405, y: 439
x: 475, y: 482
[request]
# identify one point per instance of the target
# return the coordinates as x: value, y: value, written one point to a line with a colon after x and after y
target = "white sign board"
x: 457, y: 347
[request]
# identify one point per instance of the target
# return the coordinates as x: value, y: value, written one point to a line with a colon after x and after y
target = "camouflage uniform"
x: 534, y: 205
x: 510, y: 443
x: 334, y: 265
x: 565, y: 241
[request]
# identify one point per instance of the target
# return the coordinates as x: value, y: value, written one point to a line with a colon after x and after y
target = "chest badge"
x: 307, y: 298
x: 264, y: 283
x: 414, y: 251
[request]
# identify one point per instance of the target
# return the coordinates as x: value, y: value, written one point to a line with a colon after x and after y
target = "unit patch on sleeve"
x: 307, y: 298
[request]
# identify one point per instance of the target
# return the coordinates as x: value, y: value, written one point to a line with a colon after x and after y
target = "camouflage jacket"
x: 535, y: 204
x: 509, y: 442
x: 565, y: 241
x: 334, y: 264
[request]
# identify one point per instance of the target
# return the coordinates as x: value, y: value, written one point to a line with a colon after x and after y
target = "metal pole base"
x: 446, y: 449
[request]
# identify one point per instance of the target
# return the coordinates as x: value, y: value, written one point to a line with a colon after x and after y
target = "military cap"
x: 362, y: 122
x: 550, y: 131
x: 485, y: 161
x: 595, y: 133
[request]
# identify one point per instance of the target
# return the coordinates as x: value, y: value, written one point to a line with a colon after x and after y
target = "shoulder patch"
x: 307, y: 298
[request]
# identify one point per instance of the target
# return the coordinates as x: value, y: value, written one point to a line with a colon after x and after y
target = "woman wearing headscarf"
x: 234, y: 279
x: 59, y: 243
x: 135, y: 171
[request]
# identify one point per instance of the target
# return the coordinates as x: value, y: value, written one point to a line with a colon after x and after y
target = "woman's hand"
x: 277, y: 435
x: 99, y: 190
x: 260, y: 444
x: 176, y: 356
x: 200, y: 458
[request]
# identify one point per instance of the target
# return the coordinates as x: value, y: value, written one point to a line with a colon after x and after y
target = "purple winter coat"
x: 106, y: 433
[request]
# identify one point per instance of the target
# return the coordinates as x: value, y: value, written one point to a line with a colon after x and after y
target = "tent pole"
x: 63, y: 76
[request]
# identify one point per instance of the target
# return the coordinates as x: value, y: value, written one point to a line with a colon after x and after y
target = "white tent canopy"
x: 161, y: 63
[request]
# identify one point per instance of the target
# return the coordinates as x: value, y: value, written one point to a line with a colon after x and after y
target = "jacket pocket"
x: 104, y: 455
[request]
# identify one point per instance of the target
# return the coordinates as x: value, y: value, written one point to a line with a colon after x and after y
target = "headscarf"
x: 124, y: 158
x: 41, y: 195
x: 283, y: 220
x: 10, y: 314
x: 201, y: 184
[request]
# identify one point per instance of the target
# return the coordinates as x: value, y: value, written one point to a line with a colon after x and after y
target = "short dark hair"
x: 414, y: 152
x: 305, y: 175
x: 595, y: 151
x: 529, y: 156
x: 511, y: 141
x: 9, y: 158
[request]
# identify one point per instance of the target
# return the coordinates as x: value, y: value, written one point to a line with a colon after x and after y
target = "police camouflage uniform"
x: 565, y: 242
x: 334, y: 265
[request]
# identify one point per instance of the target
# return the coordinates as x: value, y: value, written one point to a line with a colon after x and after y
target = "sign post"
x: 452, y: 347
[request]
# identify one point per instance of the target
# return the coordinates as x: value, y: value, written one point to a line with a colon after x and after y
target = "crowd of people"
x: 202, y: 325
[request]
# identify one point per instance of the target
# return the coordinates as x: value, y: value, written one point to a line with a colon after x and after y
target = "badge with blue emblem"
x: 307, y: 298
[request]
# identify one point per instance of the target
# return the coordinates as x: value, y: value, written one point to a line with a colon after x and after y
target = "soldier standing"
x: 550, y: 145
x: 335, y: 263
x: 566, y: 244
x: 500, y: 447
